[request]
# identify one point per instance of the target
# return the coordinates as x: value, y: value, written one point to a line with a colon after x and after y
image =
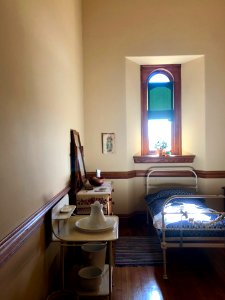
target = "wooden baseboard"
x: 15, y: 239
x: 142, y: 173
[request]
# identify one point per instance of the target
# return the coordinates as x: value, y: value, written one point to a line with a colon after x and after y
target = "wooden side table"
x: 103, y: 194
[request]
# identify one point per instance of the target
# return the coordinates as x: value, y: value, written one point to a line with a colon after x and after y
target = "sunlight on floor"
x: 152, y: 291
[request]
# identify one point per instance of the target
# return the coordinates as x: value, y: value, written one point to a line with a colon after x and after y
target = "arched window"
x: 161, y: 109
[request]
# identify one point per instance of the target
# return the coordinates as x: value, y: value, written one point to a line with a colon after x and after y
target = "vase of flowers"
x: 161, y: 148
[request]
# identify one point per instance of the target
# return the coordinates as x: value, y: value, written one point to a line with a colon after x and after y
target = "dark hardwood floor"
x: 193, y: 273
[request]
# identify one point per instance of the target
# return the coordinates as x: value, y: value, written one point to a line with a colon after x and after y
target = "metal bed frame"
x: 180, y: 241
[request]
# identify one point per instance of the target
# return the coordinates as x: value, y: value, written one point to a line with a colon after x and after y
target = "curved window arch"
x: 161, y: 113
x: 158, y: 77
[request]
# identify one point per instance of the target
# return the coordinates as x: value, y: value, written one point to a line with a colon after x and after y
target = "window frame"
x: 173, y: 71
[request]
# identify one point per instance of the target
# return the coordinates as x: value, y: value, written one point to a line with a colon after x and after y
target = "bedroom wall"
x: 193, y: 110
x: 41, y: 99
x: 115, y: 30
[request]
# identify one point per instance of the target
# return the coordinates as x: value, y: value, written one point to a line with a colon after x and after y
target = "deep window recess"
x: 161, y: 108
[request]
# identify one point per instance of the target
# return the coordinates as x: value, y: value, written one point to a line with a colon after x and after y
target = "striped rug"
x: 138, y: 251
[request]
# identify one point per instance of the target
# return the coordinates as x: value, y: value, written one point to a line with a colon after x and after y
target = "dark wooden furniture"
x: 78, y: 171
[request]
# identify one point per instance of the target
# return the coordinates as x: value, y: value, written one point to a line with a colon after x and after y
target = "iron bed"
x: 181, y: 216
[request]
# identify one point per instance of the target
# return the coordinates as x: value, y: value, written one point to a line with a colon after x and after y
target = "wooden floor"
x: 193, y: 274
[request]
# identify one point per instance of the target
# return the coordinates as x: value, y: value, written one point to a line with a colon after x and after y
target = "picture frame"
x: 108, y: 143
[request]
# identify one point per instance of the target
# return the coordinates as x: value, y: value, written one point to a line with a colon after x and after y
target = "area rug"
x: 138, y: 251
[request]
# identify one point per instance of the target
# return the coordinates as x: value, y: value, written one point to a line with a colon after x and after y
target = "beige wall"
x: 116, y: 32
x: 32, y: 270
x: 193, y: 110
x: 41, y: 99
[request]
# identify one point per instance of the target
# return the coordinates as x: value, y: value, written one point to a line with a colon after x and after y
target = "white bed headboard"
x: 162, y: 177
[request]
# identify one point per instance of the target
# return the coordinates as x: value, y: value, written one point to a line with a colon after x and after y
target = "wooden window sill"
x: 139, y: 159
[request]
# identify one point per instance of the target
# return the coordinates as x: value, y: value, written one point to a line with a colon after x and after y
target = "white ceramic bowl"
x: 90, y: 278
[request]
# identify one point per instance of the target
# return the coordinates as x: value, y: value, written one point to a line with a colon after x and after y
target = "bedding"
x: 182, y: 212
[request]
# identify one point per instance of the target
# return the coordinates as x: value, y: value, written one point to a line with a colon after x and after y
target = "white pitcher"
x: 97, y: 218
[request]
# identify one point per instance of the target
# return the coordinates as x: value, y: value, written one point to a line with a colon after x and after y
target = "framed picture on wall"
x: 108, y: 143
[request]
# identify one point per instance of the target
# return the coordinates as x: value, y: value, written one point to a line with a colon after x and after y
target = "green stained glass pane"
x: 160, y: 100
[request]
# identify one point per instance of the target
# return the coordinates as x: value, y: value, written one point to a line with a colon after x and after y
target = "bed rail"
x: 169, y: 172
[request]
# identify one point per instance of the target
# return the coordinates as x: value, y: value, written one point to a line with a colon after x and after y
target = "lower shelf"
x: 104, y: 287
